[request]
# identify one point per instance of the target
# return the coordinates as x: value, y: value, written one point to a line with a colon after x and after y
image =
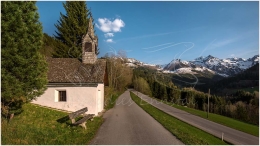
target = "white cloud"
x: 109, y: 40
x: 106, y: 25
x: 117, y: 24
x: 109, y: 35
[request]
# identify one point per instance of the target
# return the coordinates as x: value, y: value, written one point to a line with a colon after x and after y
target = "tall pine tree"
x: 48, y: 45
x: 71, y: 28
x: 24, y: 69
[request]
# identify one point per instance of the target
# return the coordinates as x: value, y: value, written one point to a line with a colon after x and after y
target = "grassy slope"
x: 38, y: 125
x: 229, y: 122
x: 183, y: 131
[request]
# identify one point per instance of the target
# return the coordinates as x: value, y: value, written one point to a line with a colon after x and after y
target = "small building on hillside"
x: 74, y: 84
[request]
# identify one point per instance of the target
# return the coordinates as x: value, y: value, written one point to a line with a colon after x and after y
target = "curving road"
x: 128, y: 124
x: 230, y: 135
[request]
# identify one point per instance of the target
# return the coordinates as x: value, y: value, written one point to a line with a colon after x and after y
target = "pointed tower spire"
x: 90, y: 28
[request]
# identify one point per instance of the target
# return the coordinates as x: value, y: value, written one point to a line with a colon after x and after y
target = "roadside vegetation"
x: 119, y: 77
x: 183, y: 131
x: 232, y: 123
x: 110, y: 97
x: 43, y: 126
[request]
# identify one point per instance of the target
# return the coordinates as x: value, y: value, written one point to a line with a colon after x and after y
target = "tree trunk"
x: 11, y: 116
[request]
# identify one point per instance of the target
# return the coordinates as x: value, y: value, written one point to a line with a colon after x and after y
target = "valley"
x: 229, y: 95
x: 203, y: 72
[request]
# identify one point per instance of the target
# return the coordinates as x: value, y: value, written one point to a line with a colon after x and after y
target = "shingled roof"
x: 71, y: 70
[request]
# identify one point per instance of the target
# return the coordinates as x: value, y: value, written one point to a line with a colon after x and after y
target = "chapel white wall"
x: 100, y: 88
x: 77, y: 98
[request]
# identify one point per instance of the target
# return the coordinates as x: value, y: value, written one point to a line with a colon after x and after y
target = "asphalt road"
x: 128, y: 124
x: 230, y: 135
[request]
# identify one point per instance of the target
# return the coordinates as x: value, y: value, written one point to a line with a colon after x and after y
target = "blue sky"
x: 158, y: 32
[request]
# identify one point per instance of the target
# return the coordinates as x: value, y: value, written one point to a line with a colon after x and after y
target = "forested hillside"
x: 246, y: 79
x: 48, y: 46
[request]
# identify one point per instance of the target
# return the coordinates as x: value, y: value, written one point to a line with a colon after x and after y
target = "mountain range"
x: 224, y: 67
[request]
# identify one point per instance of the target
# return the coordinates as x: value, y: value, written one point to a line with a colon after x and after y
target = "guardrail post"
x: 208, y: 104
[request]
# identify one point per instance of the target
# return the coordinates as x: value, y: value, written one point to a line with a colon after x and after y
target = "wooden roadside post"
x: 137, y: 89
x: 208, y: 104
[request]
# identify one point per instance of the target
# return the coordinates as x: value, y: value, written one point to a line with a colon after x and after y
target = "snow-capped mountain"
x: 176, y: 64
x: 223, y: 67
x: 134, y: 63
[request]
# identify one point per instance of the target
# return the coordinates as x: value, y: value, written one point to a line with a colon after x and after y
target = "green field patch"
x: 38, y: 125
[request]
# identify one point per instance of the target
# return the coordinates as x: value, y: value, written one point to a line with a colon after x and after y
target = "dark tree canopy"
x: 48, y: 46
x: 24, y: 69
x: 71, y: 28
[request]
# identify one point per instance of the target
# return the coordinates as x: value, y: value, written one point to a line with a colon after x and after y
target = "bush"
x: 142, y: 86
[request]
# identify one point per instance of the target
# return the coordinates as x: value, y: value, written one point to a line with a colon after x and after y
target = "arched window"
x: 88, y: 47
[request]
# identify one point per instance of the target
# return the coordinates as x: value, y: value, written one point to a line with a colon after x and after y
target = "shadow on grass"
x: 64, y: 120
x: 67, y: 121
x: 9, y: 116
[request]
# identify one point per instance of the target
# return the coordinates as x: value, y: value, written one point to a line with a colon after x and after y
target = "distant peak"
x: 210, y: 56
x: 205, y: 58
x: 199, y: 58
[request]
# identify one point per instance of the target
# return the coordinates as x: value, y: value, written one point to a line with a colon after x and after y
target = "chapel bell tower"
x: 89, y: 45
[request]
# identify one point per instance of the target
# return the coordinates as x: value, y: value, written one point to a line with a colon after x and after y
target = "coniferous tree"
x: 24, y: 69
x: 48, y: 46
x: 71, y: 28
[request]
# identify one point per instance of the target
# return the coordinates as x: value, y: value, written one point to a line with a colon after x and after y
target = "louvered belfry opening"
x: 88, y: 47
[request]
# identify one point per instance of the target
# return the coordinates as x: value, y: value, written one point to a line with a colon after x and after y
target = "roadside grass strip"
x: 110, y: 97
x: 112, y: 100
x: 229, y: 122
x: 38, y: 125
x: 183, y: 131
